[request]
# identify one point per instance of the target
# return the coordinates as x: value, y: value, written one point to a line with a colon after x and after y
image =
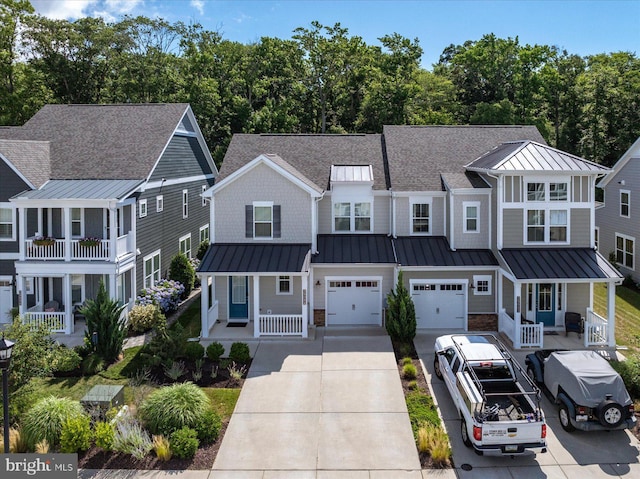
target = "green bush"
x: 208, y: 428
x: 629, y: 370
x: 406, y: 360
x: 92, y: 364
x: 172, y: 407
x: 184, y: 443
x: 409, y: 371
x: 76, y: 435
x: 65, y: 360
x: 144, y: 317
x: 421, y: 410
x: 47, y: 417
x: 166, y: 345
x: 193, y: 351
x: 104, y: 432
x: 214, y: 351
x: 239, y: 353
x: 401, y: 313
x: 202, y: 249
x: 182, y: 271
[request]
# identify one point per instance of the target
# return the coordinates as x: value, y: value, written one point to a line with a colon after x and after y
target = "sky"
x: 578, y: 26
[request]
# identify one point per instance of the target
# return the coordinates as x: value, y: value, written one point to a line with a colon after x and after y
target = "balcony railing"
x: 54, y: 320
x: 280, y: 325
x: 521, y: 335
x: 56, y: 249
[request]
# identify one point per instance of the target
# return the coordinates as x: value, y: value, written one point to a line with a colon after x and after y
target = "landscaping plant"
x: 401, y: 314
x: 47, y: 417
x: 239, y: 353
x: 193, y: 351
x: 103, y: 433
x: 184, y: 443
x: 161, y: 447
x: 182, y: 271
x: 131, y: 438
x: 76, y: 435
x: 175, y: 370
x: 409, y: 371
x: 144, y: 317
x: 166, y: 294
x: 434, y: 441
x: 202, y: 249
x: 214, y: 351
x: 65, y: 360
x: 208, y: 428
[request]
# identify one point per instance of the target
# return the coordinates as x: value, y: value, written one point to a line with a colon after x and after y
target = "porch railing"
x: 280, y: 325
x: 123, y: 245
x: 596, y: 329
x: 99, y: 251
x: 507, y: 325
x: 54, y: 250
x: 523, y: 335
x: 54, y: 321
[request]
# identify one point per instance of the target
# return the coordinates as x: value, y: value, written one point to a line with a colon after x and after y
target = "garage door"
x: 439, y: 305
x: 354, y: 301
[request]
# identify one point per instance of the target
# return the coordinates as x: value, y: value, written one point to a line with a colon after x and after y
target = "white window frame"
x: 204, y: 188
x: 81, y: 283
x: 159, y: 203
x: 185, y: 204
x: 285, y: 278
x: 471, y: 204
x: 479, y: 290
x: 153, y: 275
x: 412, y: 217
x: 203, y: 228
x: 142, y: 210
x: 79, y: 221
x: 624, y: 251
x: 546, y: 225
x: 546, y: 191
x: 184, y: 239
x: 262, y: 204
x: 566, y: 190
x: 352, y: 216
x: 627, y: 204
x: 9, y: 206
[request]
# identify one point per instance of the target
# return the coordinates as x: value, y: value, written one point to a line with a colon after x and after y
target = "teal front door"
x: 545, y: 295
x: 238, y: 297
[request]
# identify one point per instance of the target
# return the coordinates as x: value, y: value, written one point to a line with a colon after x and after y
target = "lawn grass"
x: 190, y: 320
x: 223, y: 400
x: 627, y: 314
x: 421, y: 410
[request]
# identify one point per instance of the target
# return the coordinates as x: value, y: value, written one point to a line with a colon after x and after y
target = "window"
x: 284, y: 285
x: 185, y: 245
x: 204, y: 233
x: 7, y: 222
x: 143, y: 208
x: 204, y: 188
x: 535, y: 191
x: 185, y: 203
x: 625, y: 250
x: 420, y: 218
x: 76, y: 222
x: 625, y: 196
x: 77, y: 285
x: 151, y: 266
x: 263, y: 221
x: 352, y: 216
x: 471, y: 217
x: 557, y: 191
x: 558, y: 226
x: 482, y: 285
x: 159, y: 203
x: 535, y: 225
x: 547, y: 226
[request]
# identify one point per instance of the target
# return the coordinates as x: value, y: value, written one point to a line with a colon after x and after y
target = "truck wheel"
x: 436, y: 368
x: 565, y: 418
x: 610, y: 414
x: 464, y: 433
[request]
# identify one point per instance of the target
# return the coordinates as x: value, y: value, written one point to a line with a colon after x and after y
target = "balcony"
x: 75, y: 250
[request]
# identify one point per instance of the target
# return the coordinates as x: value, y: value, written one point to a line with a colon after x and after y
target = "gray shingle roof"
x: 418, y: 155
x: 82, y: 189
x: 312, y: 155
x: 467, y: 179
x: 30, y: 158
x: 255, y: 258
x: 435, y: 251
x: 102, y: 141
x: 287, y: 167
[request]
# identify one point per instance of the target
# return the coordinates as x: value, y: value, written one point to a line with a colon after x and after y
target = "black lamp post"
x: 6, y: 348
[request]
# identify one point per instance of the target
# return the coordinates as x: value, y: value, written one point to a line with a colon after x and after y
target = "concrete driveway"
x: 328, y: 408
x: 578, y: 455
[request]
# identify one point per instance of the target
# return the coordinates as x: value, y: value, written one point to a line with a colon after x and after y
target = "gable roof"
x: 312, y: 154
x: 531, y: 156
x: 464, y: 180
x: 29, y: 159
x: 632, y: 153
x: 418, y: 155
x: 121, y: 141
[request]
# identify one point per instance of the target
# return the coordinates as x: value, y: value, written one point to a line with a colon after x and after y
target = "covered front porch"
x: 265, y: 286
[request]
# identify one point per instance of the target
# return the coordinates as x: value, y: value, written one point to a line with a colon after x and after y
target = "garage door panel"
x: 439, y: 306
x: 353, y: 301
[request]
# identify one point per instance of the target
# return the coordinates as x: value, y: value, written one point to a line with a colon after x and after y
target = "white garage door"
x: 439, y: 305
x: 354, y: 301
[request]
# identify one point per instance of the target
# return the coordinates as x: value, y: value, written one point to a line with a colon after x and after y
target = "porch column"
x: 113, y: 288
x: 133, y: 241
x: 113, y: 233
x: 23, y: 294
x: 304, y: 287
x: 204, y: 306
x: 22, y: 233
x: 611, y: 314
x: 68, y: 308
x: 256, y: 306
x: 67, y: 233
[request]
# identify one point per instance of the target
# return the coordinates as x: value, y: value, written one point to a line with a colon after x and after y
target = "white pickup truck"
x: 497, y: 402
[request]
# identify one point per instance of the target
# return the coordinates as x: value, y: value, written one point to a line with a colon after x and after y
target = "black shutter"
x: 276, y: 221
x: 248, y: 209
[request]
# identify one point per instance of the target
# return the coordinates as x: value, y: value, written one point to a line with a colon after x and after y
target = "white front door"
x: 354, y: 301
x: 439, y: 305
x: 6, y: 300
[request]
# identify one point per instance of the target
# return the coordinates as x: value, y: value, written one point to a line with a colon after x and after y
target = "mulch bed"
x: 222, y: 380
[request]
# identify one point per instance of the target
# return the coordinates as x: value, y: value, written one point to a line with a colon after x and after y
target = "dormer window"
x: 352, y: 216
x: 352, y: 194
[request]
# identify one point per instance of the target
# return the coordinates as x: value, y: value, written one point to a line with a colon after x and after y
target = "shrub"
x: 202, y: 249
x: 76, y: 435
x: 42, y: 447
x: 143, y: 317
x: 236, y: 371
x: 409, y: 371
x: 17, y: 443
x: 181, y: 270
x: 104, y: 432
x: 239, y: 353
x: 184, y: 443
x: 172, y: 407
x: 131, y: 438
x: 406, y: 360
x: 193, y: 351
x: 208, y: 428
x: 65, y: 360
x: 165, y: 346
x: 629, y: 370
x: 162, y: 448
x: 413, y: 385
x: 433, y: 440
x: 165, y: 294
x: 421, y: 410
x: 47, y: 417
x: 401, y: 313
x: 214, y: 351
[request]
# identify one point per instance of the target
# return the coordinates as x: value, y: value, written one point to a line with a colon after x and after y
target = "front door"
x: 545, y: 294
x: 239, y: 297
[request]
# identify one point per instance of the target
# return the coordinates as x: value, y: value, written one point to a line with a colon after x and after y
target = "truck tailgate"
x: 513, y: 432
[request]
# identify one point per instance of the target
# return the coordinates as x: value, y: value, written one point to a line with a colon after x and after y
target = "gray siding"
x: 324, y: 215
x: 319, y: 274
x: 178, y: 160
x: 280, y: 303
x: 404, y: 215
x: 6, y: 267
x: 471, y: 240
x: 262, y: 183
x: 578, y: 297
x: 381, y: 215
x: 507, y: 295
x: 494, y: 209
x: 512, y: 234
x: 580, y: 233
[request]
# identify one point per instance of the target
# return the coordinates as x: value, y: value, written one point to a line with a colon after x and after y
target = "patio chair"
x: 573, y: 323
x: 51, y: 306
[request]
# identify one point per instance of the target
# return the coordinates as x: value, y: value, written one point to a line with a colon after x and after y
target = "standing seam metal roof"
x: 436, y: 251
x: 254, y: 258
x: 82, y: 189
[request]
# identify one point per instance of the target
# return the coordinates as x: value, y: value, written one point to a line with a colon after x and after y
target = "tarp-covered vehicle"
x: 590, y: 393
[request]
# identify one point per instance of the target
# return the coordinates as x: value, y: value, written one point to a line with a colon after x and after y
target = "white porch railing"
x: 123, y: 244
x: 522, y: 335
x: 507, y: 325
x: 44, y: 251
x: 54, y: 321
x: 57, y: 250
x: 99, y: 251
x: 596, y: 329
x: 280, y: 325
x: 212, y: 317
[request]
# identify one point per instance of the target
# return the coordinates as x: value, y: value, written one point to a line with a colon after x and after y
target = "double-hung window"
x: 535, y: 225
x: 547, y: 221
x: 7, y: 222
x: 625, y: 197
x: 471, y: 216
x: 76, y: 222
x: 262, y: 220
x: 185, y: 245
x: 204, y: 233
x: 420, y: 216
x: 352, y: 216
x: 558, y: 225
x: 625, y: 250
x: 159, y: 203
x: 142, y: 208
x: 284, y: 285
x: 151, y: 265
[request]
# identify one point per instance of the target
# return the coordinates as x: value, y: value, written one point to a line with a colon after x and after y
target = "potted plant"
x: 44, y: 241
x: 89, y: 242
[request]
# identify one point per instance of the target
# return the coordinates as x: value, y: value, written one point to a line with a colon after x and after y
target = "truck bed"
x: 505, y: 401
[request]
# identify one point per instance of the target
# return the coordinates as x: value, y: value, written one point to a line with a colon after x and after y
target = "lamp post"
x: 6, y: 348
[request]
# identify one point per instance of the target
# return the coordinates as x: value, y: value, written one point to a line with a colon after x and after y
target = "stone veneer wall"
x: 482, y: 322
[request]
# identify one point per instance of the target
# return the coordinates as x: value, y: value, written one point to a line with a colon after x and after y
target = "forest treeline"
x: 322, y: 79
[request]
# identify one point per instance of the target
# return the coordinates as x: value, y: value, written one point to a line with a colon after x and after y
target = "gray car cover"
x: 586, y: 376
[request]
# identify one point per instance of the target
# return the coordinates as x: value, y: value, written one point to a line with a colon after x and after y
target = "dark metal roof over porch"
x: 559, y: 263
x: 255, y: 258
x: 435, y: 251
x: 354, y: 248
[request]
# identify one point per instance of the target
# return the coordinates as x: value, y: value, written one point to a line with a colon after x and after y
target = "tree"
x: 105, y: 319
x: 401, y: 314
x: 182, y: 271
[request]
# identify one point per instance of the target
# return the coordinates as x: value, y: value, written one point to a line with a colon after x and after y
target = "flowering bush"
x: 165, y: 294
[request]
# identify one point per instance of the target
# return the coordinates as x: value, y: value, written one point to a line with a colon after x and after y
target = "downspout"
x: 392, y: 213
x: 314, y: 223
